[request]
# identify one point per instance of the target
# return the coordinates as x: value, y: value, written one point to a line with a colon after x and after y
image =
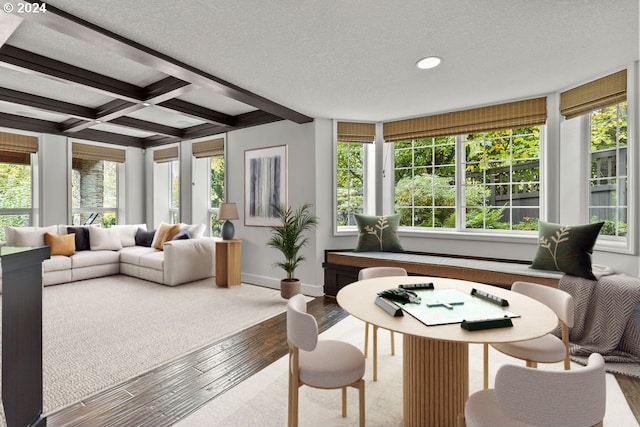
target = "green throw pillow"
x: 378, y: 233
x: 566, y: 248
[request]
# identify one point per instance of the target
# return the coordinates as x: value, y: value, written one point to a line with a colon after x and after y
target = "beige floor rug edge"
x: 262, y: 399
x: 89, y: 347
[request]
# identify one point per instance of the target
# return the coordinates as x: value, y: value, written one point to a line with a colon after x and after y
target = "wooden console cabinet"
x: 22, y: 335
x: 228, y: 262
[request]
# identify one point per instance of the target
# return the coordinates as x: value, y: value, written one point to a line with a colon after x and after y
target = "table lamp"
x: 227, y: 211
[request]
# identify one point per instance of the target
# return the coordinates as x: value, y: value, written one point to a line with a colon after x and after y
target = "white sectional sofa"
x: 115, y: 252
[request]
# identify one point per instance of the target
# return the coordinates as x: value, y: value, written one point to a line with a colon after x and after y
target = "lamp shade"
x: 228, y: 211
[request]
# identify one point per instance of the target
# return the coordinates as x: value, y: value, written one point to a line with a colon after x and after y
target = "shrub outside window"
x: 15, y: 196
x: 608, y: 181
x: 500, y: 189
x: 425, y: 182
x: 502, y: 179
x: 350, y: 182
x: 216, y: 194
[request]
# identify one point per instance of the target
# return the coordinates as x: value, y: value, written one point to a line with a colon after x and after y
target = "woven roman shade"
x: 97, y: 152
x: 17, y: 148
x: 356, y: 132
x: 166, y: 155
x: 530, y: 112
x: 210, y: 148
x: 603, y: 92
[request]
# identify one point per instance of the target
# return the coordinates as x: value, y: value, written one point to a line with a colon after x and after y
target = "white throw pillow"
x: 128, y: 233
x: 104, y: 239
x: 28, y: 236
x: 195, y: 230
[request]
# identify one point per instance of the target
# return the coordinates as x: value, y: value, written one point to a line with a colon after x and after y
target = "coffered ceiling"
x: 147, y: 73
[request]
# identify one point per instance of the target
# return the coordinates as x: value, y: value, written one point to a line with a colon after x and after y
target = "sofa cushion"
x: 56, y: 263
x: 104, y: 239
x: 128, y: 233
x: 81, y: 238
x: 153, y: 260
x: 144, y: 238
x: 132, y: 254
x: 61, y: 245
x: 164, y: 233
x: 28, y: 236
x: 93, y: 258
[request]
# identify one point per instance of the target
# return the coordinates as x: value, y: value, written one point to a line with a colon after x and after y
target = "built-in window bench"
x: 341, y: 267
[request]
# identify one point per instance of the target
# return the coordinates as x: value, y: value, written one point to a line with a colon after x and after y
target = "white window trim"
x: 629, y: 245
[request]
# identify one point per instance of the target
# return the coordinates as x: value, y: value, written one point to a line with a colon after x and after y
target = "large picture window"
x: 500, y: 190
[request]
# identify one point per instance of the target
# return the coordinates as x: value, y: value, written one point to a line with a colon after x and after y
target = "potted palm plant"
x: 288, y: 237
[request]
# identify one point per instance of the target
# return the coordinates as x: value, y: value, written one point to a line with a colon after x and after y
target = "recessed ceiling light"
x: 428, y: 62
x: 146, y: 104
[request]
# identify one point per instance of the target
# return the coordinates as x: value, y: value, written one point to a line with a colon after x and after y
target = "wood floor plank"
x: 165, y: 395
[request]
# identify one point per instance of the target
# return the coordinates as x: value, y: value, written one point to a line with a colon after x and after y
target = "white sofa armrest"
x: 188, y: 260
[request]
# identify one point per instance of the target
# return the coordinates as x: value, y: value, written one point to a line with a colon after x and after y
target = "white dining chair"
x: 548, y: 348
x: 324, y: 364
x: 370, y: 273
x: 525, y: 396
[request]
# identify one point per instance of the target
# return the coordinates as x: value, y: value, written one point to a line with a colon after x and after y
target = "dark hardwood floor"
x: 171, y: 392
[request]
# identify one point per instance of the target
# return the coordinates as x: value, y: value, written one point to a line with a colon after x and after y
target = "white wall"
x: 134, y: 191
x: 257, y: 258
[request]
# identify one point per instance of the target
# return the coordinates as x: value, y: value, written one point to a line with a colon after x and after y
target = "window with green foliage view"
x: 502, y: 179
x: 425, y: 182
x: 15, y: 196
x: 216, y: 194
x: 350, y: 182
x: 500, y: 189
x: 608, y: 180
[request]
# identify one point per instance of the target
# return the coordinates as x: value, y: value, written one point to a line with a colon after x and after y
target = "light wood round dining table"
x: 436, y: 358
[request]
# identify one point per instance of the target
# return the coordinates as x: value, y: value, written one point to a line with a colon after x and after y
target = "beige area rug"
x: 262, y: 399
x: 98, y: 333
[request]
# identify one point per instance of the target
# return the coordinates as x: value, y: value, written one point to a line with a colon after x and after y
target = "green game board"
x: 446, y: 306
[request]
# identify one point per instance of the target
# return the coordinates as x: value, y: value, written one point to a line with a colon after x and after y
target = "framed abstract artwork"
x: 265, y: 184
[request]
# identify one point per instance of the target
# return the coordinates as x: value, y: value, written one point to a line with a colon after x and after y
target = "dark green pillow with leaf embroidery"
x: 378, y: 233
x: 566, y: 248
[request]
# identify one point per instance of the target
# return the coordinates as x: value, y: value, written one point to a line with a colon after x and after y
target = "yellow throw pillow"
x: 165, y: 233
x: 61, y: 244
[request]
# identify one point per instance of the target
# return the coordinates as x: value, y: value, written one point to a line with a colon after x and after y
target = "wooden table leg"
x: 436, y: 381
